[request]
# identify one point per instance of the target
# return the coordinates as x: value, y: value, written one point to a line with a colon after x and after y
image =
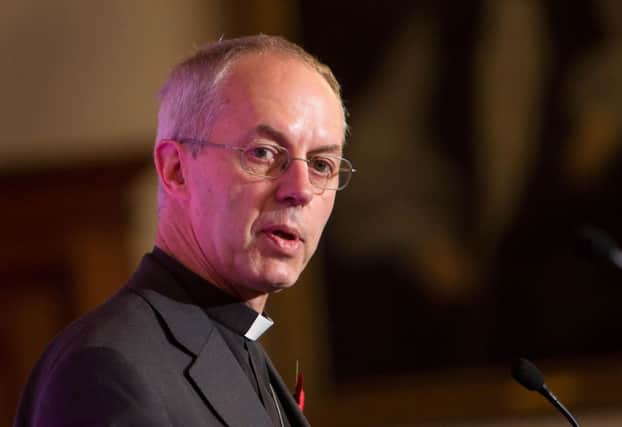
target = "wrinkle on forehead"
x: 305, y: 101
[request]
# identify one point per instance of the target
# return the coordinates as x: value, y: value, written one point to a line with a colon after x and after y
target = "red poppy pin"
x: 299, y: 395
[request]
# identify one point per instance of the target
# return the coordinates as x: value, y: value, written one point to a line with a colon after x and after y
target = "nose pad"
x: 284, y: 166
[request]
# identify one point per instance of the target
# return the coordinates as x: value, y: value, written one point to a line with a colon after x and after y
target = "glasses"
x: 326, y: 172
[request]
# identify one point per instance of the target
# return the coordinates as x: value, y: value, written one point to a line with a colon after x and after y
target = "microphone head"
x: 527, y: 374
x: 596, y: 243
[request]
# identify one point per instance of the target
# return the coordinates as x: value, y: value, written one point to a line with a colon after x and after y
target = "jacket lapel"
x: 294, y: 414
x: 215, y: 373
x: 220, y: 379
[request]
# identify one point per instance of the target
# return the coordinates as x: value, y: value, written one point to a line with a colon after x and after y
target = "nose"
x: 294, y: 186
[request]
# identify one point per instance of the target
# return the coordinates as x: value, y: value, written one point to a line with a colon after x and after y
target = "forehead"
x: 284, y: 93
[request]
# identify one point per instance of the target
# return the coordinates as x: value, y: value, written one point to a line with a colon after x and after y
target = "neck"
x: 173, y: 244
x: 257, y: 303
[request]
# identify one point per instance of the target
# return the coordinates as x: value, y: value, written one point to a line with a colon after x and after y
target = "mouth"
x: 285, y: 233
x: 283, y: 240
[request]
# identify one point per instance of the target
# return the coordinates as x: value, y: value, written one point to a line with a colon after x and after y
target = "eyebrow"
x: 264, y: 129
x: 270, y: 132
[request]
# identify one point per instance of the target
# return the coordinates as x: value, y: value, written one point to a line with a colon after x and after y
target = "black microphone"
x: 598, y: 244
x: 532, y: 379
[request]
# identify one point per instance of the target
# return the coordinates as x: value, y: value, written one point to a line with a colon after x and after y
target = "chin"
x: 277, y: 281
x: 275, y: 275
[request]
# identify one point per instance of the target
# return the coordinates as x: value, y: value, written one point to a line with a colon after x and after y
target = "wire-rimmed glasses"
x: 326, y: 171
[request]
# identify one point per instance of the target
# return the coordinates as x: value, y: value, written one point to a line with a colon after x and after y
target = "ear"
x: 169, y: 164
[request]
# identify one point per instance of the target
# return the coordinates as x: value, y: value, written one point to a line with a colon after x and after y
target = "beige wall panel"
x: 79, y: 78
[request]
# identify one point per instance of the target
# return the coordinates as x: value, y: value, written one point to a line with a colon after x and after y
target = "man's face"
x: 256, y: 235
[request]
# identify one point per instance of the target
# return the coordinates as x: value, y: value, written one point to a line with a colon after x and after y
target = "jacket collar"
x: 220, y: 306
x: 214, y: 371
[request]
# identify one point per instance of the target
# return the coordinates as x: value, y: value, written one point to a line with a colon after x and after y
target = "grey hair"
x: 189, y: 98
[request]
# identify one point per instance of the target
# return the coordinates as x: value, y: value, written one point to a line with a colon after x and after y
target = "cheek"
x: 322, y: 214
x: 329, y: 204
x: 243, y: 207
x: 209, y: 208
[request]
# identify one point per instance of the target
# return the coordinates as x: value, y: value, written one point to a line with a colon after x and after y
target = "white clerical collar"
x: 260, y: 325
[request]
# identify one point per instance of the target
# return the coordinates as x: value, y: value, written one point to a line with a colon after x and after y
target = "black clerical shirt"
x: 234, y: 320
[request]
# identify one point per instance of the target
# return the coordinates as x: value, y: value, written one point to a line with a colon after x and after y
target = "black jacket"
x: 146, y: 357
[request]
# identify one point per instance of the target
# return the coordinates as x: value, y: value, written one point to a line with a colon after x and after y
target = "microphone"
x: 598, y: 244
x: 532, y: 379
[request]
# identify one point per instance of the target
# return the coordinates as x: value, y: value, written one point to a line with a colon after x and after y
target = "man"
x: 248, y: 155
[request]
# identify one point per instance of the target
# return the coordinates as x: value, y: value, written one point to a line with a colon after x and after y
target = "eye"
x: 324, y: 166
x: 262, y: 153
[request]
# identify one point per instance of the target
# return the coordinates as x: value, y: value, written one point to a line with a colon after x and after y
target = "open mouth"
x: 285, y: 240
x: 284, y: 235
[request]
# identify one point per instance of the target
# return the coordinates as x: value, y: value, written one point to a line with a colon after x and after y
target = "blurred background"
x: 485, y: 134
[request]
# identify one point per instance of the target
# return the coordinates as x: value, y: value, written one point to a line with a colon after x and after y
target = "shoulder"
x: 124, y: 321
x: 92, y: 386
x: 94, y: 370
x: 134, y: 321
x: 129, y: 354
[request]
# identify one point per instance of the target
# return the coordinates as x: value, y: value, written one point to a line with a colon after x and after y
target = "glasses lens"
x: 330, y: 172
x: 264, y: 160
x: 345, y: 175
x: 270, y: 161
